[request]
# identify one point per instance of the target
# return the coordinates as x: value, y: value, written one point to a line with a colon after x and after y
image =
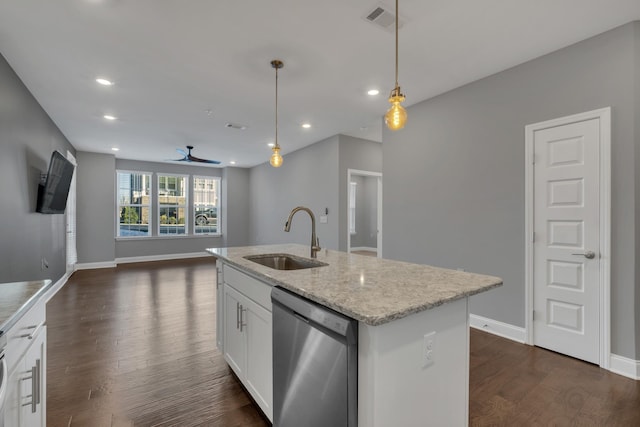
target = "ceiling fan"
x: 188, y: 157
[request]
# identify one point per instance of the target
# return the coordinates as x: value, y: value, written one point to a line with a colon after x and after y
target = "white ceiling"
x: 172, y: 60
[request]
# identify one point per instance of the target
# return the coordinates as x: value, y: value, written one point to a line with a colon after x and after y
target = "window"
x: 352, y: 207
x: 134, y: 201
x: 172, y: 205
x: 206, y: 193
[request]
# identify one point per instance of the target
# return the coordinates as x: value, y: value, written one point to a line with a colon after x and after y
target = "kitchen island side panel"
x: 394, y: 386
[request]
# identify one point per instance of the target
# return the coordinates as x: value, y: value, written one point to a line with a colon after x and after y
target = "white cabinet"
x: 235, y: 338
x: 220, y: 307
x: 25, y: 403
x: 247, y: 334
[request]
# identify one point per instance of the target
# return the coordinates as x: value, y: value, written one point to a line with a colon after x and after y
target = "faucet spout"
x: 315, y: 243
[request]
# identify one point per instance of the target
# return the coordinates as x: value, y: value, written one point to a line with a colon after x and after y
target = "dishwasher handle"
x: 312, y: 312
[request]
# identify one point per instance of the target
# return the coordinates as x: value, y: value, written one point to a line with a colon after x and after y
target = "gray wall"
x: 360, y: 154
x: 236, y: 205
x: 316, y: 177
x: 637, y: 177
x: 27, y: 139
x: 95, y: 220
x: 308, y: 177
x: 159, y: 245
x: 96, y: 210
x: 366, y: 212
x: 454, y: 177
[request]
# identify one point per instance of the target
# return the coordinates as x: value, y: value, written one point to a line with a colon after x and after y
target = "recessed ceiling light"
x: 108, y: 117
x: 233, y: 162
x: 271, y: 144
x: 104, y: 82
x: 306, y: 125
x: 115, y: 149
x: 373, y: 92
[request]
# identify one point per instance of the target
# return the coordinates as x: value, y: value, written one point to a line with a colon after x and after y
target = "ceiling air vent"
x: 383, y: 18
x: 236, y: 126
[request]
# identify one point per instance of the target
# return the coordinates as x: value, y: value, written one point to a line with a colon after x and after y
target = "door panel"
x: 234, y: 340
x: 259, y: 355
x: 566, y: 227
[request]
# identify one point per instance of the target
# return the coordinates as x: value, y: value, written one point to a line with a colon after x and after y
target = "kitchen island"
x: 413, y: 328
x: 23, y: 342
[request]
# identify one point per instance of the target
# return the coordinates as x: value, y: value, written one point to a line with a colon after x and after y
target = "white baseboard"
x: 495, y: 327
x: 624, y: 366
x: 94, y: 265
x: 145, y: 258
x: 617, y: 364
x: 163, y: 257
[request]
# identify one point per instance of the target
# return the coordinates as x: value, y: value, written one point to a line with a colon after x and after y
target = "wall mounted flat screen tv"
x: 53, y: 192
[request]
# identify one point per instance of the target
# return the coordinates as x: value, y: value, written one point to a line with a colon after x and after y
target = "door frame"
x: 357, y: 172
x: 71, y: 214
x: 604, y: 117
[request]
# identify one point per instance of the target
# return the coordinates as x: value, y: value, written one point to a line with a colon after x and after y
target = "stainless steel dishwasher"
x: 315, y: 364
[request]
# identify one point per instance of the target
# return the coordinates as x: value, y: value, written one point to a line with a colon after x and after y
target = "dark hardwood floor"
x: 135, y: 346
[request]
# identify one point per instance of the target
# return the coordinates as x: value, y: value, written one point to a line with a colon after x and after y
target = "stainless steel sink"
x: 284, y: 261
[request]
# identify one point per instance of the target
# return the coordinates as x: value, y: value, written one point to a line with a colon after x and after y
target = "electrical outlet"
x: 429, y: 349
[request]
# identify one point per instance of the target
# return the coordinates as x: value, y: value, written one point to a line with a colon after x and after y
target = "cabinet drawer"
x: 18, y: 341
x: 258, y: 291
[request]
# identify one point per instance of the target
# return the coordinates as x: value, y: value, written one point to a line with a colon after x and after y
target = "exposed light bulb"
x: 396, y: 116
x: 276, y: 158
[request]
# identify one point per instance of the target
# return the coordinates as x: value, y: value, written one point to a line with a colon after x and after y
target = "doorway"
x: 70, y: 220
x: 568, y: 199
x: 364, y: 212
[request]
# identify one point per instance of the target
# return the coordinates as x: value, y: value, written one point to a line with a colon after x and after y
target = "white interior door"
x: 566, y: 243
x: 70, y: 220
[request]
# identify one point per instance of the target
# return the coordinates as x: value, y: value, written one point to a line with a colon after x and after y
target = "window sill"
x: 172, y: 237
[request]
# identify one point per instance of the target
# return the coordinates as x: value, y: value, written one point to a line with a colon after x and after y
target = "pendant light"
x: 396, y: 116
x: 276, y: 158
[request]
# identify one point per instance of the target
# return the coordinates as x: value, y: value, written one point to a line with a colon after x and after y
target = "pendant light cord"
x: 277, y: 107
x: 396, y: 44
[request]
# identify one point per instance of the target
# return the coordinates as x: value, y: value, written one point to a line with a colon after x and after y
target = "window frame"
x: 218, y: 190
x: 118, y: 205
x: 159, y: 206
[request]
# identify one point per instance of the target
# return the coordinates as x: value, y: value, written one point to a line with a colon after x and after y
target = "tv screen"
x: 52, y: 194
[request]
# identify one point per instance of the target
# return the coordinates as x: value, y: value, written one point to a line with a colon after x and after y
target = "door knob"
x: 587, y: 254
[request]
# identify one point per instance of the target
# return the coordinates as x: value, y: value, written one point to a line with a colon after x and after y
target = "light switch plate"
x: 323, y: 219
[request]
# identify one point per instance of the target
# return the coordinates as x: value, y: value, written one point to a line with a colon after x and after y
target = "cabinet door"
x: 12, y: 398
x: 234, y: 338
x: 219, y: 307
x: 33, y: 390
x: 259, y: 372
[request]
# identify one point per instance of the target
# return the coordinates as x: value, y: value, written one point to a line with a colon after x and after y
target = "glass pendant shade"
x: 276, y: 158
x: 396, y: 116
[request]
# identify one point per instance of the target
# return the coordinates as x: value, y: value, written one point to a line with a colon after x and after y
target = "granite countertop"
x: 16, y: 299
x: 371, y: 290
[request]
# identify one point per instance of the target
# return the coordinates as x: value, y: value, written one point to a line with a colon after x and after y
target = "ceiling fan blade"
x: 192, y: 158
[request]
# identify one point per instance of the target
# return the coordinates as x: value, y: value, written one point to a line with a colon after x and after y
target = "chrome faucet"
x: 315, y: 243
